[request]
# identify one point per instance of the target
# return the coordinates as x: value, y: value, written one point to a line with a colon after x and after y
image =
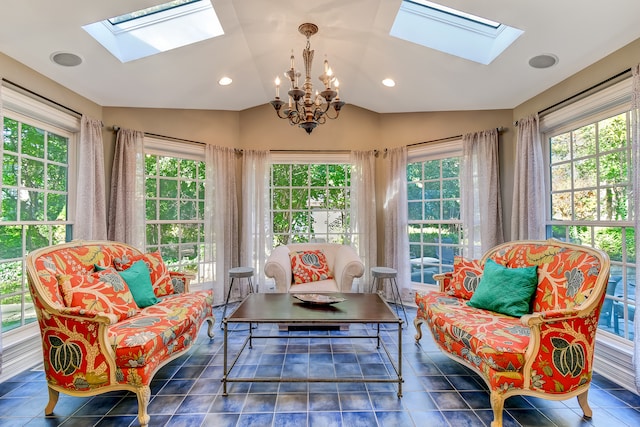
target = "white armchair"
x: 343, y: 261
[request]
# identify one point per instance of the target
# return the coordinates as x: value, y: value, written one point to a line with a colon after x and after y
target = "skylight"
x: 156, y: 29
x: 452, y: 31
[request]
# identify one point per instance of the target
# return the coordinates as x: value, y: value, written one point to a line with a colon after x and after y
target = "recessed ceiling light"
x: 225, y: 81
x: 543, y: 61
x: 66, y: 59
x: 389, y: 82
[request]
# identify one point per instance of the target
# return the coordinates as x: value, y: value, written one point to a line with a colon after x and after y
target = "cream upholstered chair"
x: 342, y: 260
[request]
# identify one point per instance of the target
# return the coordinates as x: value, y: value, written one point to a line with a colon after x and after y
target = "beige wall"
x: 356, y: 129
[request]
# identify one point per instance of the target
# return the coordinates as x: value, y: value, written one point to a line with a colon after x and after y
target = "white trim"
x: 608, y: 102
x: 35, y: 109
x: 435, y: 150
x: 309, y: 158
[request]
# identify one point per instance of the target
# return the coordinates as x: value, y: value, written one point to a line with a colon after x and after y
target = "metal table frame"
x: 335, y: 321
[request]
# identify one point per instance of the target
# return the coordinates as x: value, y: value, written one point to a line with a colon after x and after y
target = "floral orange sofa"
x: 546, y: 352
x: 95, y: 337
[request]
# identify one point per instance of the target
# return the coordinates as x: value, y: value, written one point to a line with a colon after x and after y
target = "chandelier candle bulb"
x: 304, y: 110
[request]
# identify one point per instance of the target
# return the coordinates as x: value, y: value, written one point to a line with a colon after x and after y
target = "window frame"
x: 436, y: 151
x: 25, y: 108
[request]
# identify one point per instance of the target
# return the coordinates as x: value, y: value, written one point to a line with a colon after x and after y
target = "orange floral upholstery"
x: 309, y: 266
x: 103, y: 291
x: 548, y: 353
x: 88, y: 346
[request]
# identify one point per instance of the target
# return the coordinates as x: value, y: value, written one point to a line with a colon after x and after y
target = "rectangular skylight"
x: 452, y: 31
x: 156, y: 29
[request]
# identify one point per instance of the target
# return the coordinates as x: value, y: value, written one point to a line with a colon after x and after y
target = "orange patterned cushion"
x: 309, y: 266
x: 102, y: 291
x: 466, y: 276
x: 160, y: 279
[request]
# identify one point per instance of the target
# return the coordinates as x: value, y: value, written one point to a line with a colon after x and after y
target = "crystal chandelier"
x: 305, y: 109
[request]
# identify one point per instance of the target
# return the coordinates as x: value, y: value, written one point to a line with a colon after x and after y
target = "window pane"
x: 57, y: 148
x: 560, y: 147
x: 32, y: 140
x: 10, y: 137
x: 584, y: 141
x: 612, y: 133
x: 9, y: 205
x: 31, y: 206
x: 9, y: 170
x: 56, y: 207
x: 561, y: 177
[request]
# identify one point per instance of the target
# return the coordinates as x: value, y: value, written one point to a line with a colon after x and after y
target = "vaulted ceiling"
x: 354, y: 35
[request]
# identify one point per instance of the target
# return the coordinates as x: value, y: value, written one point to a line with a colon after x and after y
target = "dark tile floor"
x: 187, y: 392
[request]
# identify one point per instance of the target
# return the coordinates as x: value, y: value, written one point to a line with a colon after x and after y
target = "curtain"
x: 256, y: 238
x: 528, y: 215
x: 481, y: 210
x: 396, y: 239
x: 126, y: 205
x: 2, y: 123
x: 91, y: 211
x: 635, y: 171
x: 363, y: 212
x: 221, y: 213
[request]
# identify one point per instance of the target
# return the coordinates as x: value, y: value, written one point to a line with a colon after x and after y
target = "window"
x: 310, y: 202
x: 156, y: 29
x: 589, y: 198
x: 433, y: 196
x: 452, y: 31
x: 174, y: 204
x: 35, y: 205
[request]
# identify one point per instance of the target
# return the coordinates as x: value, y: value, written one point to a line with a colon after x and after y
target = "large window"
x: 310, y: 202
x: 174, y: 200
x: 433, y: 195
x: 35, y: 204
x: 589, y: 178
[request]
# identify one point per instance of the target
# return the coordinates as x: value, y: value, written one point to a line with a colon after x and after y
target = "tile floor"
x: 187, y: 392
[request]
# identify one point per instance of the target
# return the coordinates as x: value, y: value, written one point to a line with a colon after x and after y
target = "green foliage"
x: 301, y: 194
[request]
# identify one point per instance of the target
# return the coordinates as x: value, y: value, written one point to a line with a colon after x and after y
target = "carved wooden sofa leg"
x: 497, y: 404
x: 417, y: 323
x: 53, y: 399
x: 584, y: 404
x: 210, y: 332
x: 144, y: 394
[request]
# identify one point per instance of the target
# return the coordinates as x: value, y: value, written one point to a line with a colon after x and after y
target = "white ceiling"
x: 354, y: 35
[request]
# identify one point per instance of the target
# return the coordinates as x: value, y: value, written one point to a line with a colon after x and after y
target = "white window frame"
x: 613, y: 354
x: 423, y: 153
x: 179, y: 150
x: 309, y: 159
x: 21, y: 346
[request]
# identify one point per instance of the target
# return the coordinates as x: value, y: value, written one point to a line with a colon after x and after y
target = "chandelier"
x: 304, y: 109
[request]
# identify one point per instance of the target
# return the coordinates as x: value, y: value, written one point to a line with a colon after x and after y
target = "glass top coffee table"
x: 357, y: 308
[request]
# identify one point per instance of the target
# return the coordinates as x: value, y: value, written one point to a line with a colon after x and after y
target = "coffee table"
x: 363, y: 308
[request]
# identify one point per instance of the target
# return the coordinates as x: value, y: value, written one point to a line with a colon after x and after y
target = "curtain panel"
x: 91, y: 212
x: 221, y: 213
x: 126, y: 204
x: 363, y: 212
x: 481, y: 206
x: 256, y: 238
x: 635, y: 171
x: 528, y: 214
x: 396, y: 224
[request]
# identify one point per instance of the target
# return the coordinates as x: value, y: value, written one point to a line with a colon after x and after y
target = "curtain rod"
x: 449, y: 138
x: 310, y: 151
x: 595, y: 86
x: 49, y: 100
x: 116, y: 128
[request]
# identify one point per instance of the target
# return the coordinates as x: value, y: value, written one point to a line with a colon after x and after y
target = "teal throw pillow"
x: 139, y: 281
x: 505, y: 290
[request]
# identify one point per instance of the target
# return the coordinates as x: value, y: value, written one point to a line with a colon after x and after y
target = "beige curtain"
x: 396, y: 239
x: 256, y: 238
x: 91, y: 212
x: 528, y: 214
x: 635, y: 170
x: 126, y: 204
x: 363, y: 212
x: 481, y: 206
x: 221, y: 218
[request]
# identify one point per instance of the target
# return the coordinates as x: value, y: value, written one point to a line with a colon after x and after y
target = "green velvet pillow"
x: 505, y: 290
x: 139, y: 281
